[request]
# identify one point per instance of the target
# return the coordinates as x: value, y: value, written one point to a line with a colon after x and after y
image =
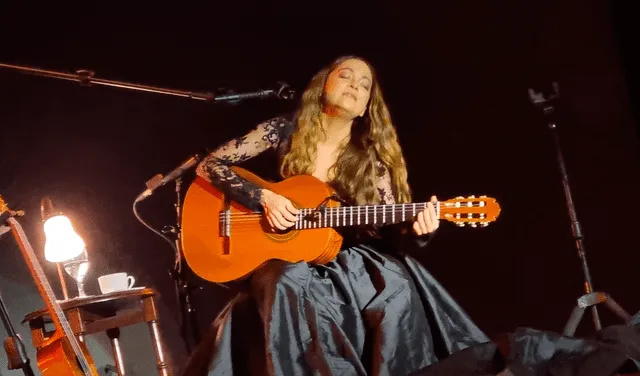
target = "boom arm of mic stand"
x: 85, y: 77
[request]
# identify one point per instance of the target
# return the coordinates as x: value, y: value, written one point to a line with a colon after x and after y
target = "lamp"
x: 64, y: 246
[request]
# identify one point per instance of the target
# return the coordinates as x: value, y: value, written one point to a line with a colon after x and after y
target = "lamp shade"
x: 62, y: 242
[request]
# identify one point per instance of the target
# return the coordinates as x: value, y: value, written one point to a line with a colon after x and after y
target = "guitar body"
x: 223, y: 241
x: 219, y: 258
x: 57, y: 358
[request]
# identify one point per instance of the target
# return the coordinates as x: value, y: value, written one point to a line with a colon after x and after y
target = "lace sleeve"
x: 383, y: 184
x: 216, y: 166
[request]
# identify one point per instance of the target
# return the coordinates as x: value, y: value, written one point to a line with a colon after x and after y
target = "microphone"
x: 285, y: 91
x: 281, y: 91
x: 159, y: 180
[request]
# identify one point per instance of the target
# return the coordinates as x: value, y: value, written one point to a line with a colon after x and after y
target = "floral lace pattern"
x: 216, y: 167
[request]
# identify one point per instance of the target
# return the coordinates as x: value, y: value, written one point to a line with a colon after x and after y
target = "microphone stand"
x: 189, y: 322
x: 87, y: 78
x: 590, y: 299
x: 14, y: 347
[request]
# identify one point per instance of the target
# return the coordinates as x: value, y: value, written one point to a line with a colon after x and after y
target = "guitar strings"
x: 336, y: 214
x: 341, y: 212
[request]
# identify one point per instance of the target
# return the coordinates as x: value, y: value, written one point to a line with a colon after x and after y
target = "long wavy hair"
x: 373, y: 139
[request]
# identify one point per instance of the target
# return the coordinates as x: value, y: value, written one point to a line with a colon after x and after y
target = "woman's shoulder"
x: 278, y: 127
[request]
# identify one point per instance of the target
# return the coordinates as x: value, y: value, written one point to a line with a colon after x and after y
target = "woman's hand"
x: 427, y: 221
x: 279, y: 211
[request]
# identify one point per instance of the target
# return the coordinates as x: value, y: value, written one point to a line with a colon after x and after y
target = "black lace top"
x: 271, y: 134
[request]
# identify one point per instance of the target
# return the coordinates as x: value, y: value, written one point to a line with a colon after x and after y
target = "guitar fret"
x: 310, y: 218
x: 324, y: 217
x: 331, y: 217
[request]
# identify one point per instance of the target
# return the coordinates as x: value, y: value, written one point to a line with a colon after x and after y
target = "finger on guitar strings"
x: 432, y: 218
x: 422, y: 221
x: 416, y: 228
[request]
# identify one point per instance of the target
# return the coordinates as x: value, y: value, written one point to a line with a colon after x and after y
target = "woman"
x: 371, y: 311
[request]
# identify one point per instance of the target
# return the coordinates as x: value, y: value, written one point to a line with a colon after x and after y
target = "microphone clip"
x: 159, y: 180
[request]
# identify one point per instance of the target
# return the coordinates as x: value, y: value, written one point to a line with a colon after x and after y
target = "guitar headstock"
x: 472, y: 211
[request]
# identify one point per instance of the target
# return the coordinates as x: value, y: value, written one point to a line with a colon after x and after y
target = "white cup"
x: 115, y: 282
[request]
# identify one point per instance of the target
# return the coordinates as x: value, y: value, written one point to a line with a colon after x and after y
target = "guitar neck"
x: 57, y: 314
x: 360, y: 215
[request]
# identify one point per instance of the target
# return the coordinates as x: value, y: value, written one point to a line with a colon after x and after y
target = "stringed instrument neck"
x: 462, y: 211
x: 63, y: 331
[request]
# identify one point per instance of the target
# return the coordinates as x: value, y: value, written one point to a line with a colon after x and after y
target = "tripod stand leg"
x: 596, y: 318
x: 574, y: 320
x: 617, y: 309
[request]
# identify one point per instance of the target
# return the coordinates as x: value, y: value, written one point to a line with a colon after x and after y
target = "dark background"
x: 455, y: 75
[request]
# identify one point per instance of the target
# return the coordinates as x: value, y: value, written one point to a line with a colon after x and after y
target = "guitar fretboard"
x: 43, y: 285
x: 359, y: 215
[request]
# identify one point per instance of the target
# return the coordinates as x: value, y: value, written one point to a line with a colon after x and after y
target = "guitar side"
x: 218, y: 258
x: 58, y: 358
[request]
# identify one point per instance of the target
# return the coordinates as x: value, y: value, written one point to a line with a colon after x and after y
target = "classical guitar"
x: 62, y: 353
x: 224, y: 241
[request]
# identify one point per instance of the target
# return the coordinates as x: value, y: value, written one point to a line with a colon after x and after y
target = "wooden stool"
x: 106, y: 313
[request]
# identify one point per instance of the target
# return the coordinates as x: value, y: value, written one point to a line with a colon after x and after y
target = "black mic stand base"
x: 591, y: 301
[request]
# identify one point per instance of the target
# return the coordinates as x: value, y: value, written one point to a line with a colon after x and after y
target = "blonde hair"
x: 373, y: 139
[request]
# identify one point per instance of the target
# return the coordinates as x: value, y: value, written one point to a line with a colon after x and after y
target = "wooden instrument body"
x: 57, y: 358
x: 219, y: 258
x: 224, y: 241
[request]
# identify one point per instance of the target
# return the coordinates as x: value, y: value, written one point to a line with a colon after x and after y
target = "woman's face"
x: 348, y: 88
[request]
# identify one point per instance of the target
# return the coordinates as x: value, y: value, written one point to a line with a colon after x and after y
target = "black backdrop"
x: 455, y: 77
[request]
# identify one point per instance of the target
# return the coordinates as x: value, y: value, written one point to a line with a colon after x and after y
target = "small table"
x: 107, y: 312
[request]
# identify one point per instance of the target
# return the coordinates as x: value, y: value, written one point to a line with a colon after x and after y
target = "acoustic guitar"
x: 62, y: 353
x: 224, y: 241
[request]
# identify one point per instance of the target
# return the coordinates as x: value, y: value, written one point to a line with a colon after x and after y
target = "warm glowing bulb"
x: 62, y: 243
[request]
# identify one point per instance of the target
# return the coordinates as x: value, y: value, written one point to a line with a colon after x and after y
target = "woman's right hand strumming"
x: 279, y: 211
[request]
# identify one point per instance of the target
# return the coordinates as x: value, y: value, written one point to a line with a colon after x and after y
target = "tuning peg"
x: 473, y: 224
x: 472, y: 196
x: 483, y: 196
x: 460, y: 224
x: 484, y: 224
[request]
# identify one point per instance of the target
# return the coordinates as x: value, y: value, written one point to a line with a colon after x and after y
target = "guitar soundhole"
x: 276, y: 234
